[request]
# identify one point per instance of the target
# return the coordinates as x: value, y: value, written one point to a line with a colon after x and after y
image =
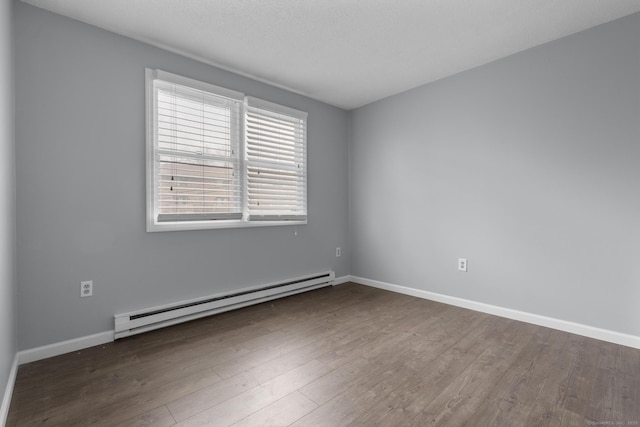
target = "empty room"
x: 320, y: 213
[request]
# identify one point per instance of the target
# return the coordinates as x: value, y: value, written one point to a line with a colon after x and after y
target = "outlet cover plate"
x: 86, y: 288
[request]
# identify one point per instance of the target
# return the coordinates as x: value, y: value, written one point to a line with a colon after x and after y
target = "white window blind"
x: 197, y: 170
x: 275, y: 170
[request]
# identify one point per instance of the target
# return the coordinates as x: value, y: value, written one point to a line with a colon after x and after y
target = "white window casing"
x: 214, y: 161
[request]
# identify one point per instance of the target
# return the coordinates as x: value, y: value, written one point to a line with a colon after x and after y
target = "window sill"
x: 153, y: 226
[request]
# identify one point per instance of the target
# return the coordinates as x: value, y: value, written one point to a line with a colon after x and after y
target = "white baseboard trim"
x: 8, y: 392
x: 341, y: 280
x: 56, y: 349
x: 549, y: 322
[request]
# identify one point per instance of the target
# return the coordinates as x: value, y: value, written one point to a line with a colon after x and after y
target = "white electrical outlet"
x: 338, y: 252
x: 86, y: 288
x: 462, y: 264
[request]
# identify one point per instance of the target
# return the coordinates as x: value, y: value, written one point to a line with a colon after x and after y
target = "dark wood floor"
x: 348, y: 355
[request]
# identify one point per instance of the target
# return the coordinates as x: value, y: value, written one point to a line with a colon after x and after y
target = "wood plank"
x: 547, y: 407
x: 460, y: 400
x: 435, y: 364
x: 158, y: 417
x: 513, y: 393
x: 583, y: 370
x: 628, y: 367
x: 204, y: 398
x: 257, y: 398
x: 280, y: 413
x: 358, y: 398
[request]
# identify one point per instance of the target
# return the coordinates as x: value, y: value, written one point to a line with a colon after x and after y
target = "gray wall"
x: 528, y: 166
x: 80, y: 138
x: 7, y: 198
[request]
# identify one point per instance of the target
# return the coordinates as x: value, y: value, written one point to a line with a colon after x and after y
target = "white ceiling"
x: 347, y: 53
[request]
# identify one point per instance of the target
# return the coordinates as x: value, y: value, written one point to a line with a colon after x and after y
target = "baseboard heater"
x: 140, y: 321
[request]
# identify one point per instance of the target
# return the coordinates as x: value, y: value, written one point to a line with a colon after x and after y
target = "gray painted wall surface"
x: 7, y: 198
x: 528, y: 166
x: 80, y: 145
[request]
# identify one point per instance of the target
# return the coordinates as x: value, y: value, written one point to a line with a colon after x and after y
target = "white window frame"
x: 153, y: 225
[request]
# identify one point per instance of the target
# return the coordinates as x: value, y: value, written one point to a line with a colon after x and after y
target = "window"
x: 217, y: 159
x: 275, y: 161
